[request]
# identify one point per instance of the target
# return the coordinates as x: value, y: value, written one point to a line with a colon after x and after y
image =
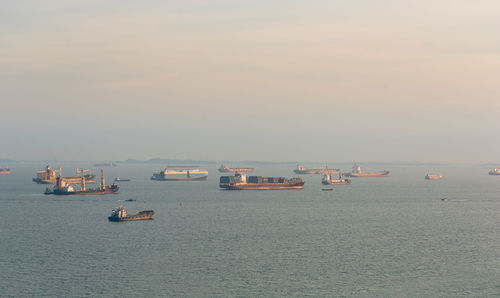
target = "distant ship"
x: 118, y: 179
x: 433, y: 177
x: 356, y: 172
x: 48, y: 176
x: 180, y: 175
x: 226, y: 169
x: 120, y: 214
x: 105, y: 164
x: 494, y: 172
x: 328, y: 179
x: 241, y: 182
x: 64, y: 188
x: 302, y: 170
x: 5, y: 171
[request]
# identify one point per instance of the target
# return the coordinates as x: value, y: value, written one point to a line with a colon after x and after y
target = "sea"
x: 399, y: 236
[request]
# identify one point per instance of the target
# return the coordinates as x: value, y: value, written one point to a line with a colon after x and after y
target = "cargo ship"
x: 226, y: 169
x: 5, y: 171
x: 241, y: 182
x: 48, y: 176
x: 356, y: 172
x: 494, y: 172
x: 105, y: 164
x: 180, y: 175
x: 328, y: 179
x: 305, y: 171
x: 62, y: 187
x: 120, y: 214
x: 433, y: 176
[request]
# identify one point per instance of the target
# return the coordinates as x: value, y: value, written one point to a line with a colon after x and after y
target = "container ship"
x: 5, y: 171
x: 241, y: 182
x: 494, y: 172
x: 356, y: 172
x: 328, y: 179
x: 180, y: 175
x: 62, y: 187
x: 120, y: 214
x: 48, y: 176
x: 226, y: 169
x: 304, y: 171
x: 433, y: 177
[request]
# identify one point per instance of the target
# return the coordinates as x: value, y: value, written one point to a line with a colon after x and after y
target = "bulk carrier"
x: 305, y: 171
x: 226, y: 169
x: 62, y: 187
x: 356, y: 172
x: 48, y: 176
x: 241, y: 182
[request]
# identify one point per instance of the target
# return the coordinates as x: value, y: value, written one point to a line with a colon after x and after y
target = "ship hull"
x: 367, y: 174
x: 180, y: 178
x: 130, y: 218
x: 86, y: 192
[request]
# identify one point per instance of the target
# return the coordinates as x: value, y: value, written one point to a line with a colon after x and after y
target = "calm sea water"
x: 377, y: 237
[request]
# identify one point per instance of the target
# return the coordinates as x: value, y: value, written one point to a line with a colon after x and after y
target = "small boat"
x: 494, y: 172
x: 130, y: 200
x: 120, y: 214
x: 118, y: 179
x: 433, y: 176
x: 5, y: 171
x: 327, y: 189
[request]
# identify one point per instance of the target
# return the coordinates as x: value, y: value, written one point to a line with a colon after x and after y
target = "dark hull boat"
x: 120, y: 214
x: 240, y: 182
x: 62, y: 188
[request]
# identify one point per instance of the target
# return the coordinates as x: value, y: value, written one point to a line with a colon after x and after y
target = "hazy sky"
x: 266, y: 80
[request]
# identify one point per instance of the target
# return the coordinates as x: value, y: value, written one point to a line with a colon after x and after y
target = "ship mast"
x: 102, y: 180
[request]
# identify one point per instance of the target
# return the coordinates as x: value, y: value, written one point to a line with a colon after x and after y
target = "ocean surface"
x: 385, y: 237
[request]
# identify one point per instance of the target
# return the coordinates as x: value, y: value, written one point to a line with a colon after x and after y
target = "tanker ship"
x: 303, y: 170
x: 356, y: 172
x: 64, y: 188
x: 120, y: 214
x: 48, y: 176
x: 5, y: 171
x: 241, y: 182
x: 226, y: 169
x: 180, y: 175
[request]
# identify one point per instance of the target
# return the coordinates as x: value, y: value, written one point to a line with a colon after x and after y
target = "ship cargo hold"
x: 242, y: 182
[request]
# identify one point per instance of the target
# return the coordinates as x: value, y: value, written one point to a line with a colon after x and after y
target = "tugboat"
x: 120, y: 214
x: 64, y: 188
x: 328, y: 179
x: 240, y: 182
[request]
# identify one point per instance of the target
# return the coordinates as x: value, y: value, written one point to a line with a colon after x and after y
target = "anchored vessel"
x: 226, y: 169
x: 241, y: 182
x: 494, y: 172
x: 48, y: 176
x: 303, y: 170
x: 356, y: 172
x: 118, y: 179
x: 5, y: 171
x: 105, y: 164
x: 433, y: 176
x: 64, y: 188
x: 120, y: 214
x: 180, y: 175
x: 328, y: 179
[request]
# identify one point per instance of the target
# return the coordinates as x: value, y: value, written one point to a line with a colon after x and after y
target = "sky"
x: 283, y: 80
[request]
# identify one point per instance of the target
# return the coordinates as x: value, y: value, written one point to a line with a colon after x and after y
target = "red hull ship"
x: 5, y: 171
